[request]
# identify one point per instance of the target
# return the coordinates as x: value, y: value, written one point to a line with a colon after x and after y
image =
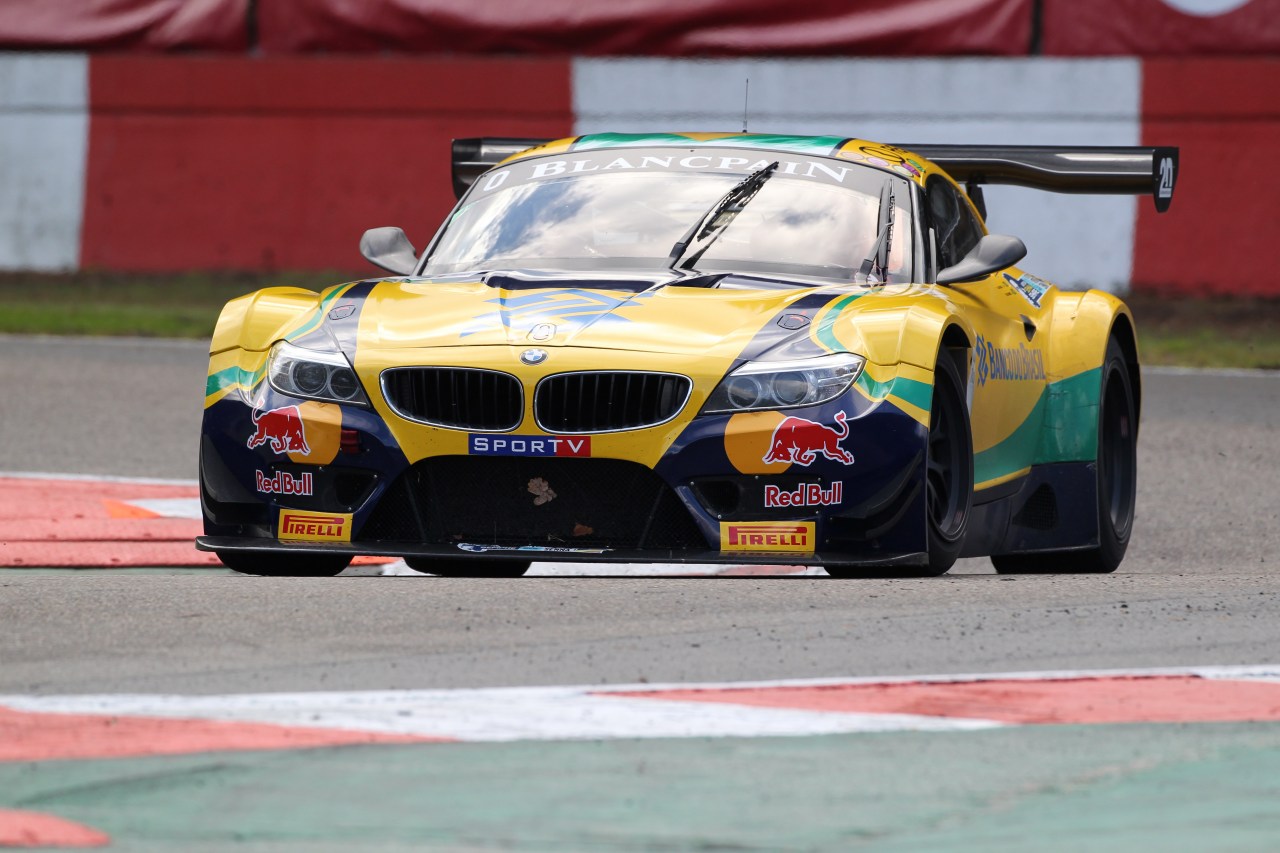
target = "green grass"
x: 171, y: 306
x: 1182, y: 331
x: 1214, y: 332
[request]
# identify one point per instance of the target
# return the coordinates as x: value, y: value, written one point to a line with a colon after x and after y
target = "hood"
x: 676, y: 314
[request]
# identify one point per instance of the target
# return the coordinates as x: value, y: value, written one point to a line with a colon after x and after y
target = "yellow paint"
x: 999, y: 481
x: 322, y: 424
x: 746, y: 442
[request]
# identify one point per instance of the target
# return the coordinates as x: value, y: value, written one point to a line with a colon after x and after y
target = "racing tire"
x: 449, y: 567
x: 284, y: 564
x: 1117, y: 472
x: 948, y: 469
x: 948, y: 479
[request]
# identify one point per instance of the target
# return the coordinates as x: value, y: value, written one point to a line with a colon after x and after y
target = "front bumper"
x: 856, y: 500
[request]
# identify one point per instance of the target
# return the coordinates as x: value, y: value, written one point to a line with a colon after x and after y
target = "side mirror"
x: 390, y: 249
x: 993, y: 253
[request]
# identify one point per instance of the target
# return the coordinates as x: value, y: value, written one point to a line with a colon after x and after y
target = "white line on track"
x: 583, y: 712
x: 96, y: 478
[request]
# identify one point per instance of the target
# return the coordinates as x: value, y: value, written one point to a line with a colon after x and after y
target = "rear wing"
x: 473, y: 157
x: 1126, y: 170
x: 1085, y: 169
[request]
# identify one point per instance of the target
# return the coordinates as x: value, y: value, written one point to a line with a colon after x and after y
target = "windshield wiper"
x: 713, y: 223
x: 879, y: 257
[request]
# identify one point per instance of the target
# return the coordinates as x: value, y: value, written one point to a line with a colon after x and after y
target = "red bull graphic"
x: 767, y: 537
x: 806, y: 494
x: 799, y: 441
x: 283, y: 428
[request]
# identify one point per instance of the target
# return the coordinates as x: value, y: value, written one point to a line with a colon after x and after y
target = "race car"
x: 697, y: 348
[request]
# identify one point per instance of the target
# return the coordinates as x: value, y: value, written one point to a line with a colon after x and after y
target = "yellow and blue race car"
x: 704, y: 348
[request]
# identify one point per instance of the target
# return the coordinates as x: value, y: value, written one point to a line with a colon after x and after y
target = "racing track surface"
x: 1199, y: 588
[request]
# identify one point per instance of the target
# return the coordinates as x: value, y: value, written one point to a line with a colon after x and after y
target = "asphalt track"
x: 1199, y: 588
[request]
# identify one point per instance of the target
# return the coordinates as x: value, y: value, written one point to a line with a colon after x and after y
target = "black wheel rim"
x: 1117, y: 456
x: 947, y: 474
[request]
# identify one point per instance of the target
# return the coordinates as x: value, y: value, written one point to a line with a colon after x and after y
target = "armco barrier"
x: 172, y: 163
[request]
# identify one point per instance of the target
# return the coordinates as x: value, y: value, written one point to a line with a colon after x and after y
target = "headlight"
x: 310, y: 373
x: 785, y: 384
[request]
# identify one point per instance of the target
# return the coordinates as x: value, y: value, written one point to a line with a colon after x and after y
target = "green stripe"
x: 1071, y: 419
x: 1015, y: 452
x: 1061, y: 427
x: 913, y: 391
x: 231, y: 377
x: 822, y: 145
x: 823, y: 331
x: 317, y: 315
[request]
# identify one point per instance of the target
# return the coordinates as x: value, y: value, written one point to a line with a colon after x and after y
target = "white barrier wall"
x: 44, y: 137
x: 1073, y: 240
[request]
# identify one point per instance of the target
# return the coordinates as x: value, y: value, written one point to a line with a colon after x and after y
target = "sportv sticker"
x: 529, y: 445
x: 764, y: 537
x: 301, y: 526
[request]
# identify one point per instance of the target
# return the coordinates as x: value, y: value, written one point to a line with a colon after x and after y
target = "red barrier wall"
x: 1220, y: 233
x: 651, y: 27
x: 229, y: 163
x: 125, y: 24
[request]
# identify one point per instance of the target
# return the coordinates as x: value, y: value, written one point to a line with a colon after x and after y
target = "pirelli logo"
x: 767, y: 537
x: 301, y: 526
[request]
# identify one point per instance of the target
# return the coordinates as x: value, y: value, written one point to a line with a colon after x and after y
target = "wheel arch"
x: 956, y: 341
x: 1122, y: 330
x: 257, y: 320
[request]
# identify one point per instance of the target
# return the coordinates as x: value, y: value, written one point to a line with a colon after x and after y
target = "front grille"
x: 601, y: 401
x: 455, y: 397
x: 597, y: 503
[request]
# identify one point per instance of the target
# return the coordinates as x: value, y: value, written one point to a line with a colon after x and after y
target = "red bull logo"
x: 282, y: 428
x: 284, y: 483
x: 808, y: 494
x: 766, y: 537
x: 800, y: 441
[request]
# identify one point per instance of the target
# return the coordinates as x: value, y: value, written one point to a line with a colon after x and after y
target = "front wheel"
x: 474, y: 567
x: 1117, y: 473
x: 948, y: 479
x: 284, y: 563
x: 949, y: 468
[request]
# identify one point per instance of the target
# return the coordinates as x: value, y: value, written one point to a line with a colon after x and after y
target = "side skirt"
x: 1054, y: 508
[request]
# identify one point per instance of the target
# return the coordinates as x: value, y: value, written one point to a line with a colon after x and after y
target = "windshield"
x: 626, y: 209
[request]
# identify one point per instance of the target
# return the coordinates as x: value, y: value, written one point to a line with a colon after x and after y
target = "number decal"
x: 1165, y: 188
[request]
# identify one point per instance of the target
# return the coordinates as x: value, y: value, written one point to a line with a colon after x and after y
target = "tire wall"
x: 165, y: 162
